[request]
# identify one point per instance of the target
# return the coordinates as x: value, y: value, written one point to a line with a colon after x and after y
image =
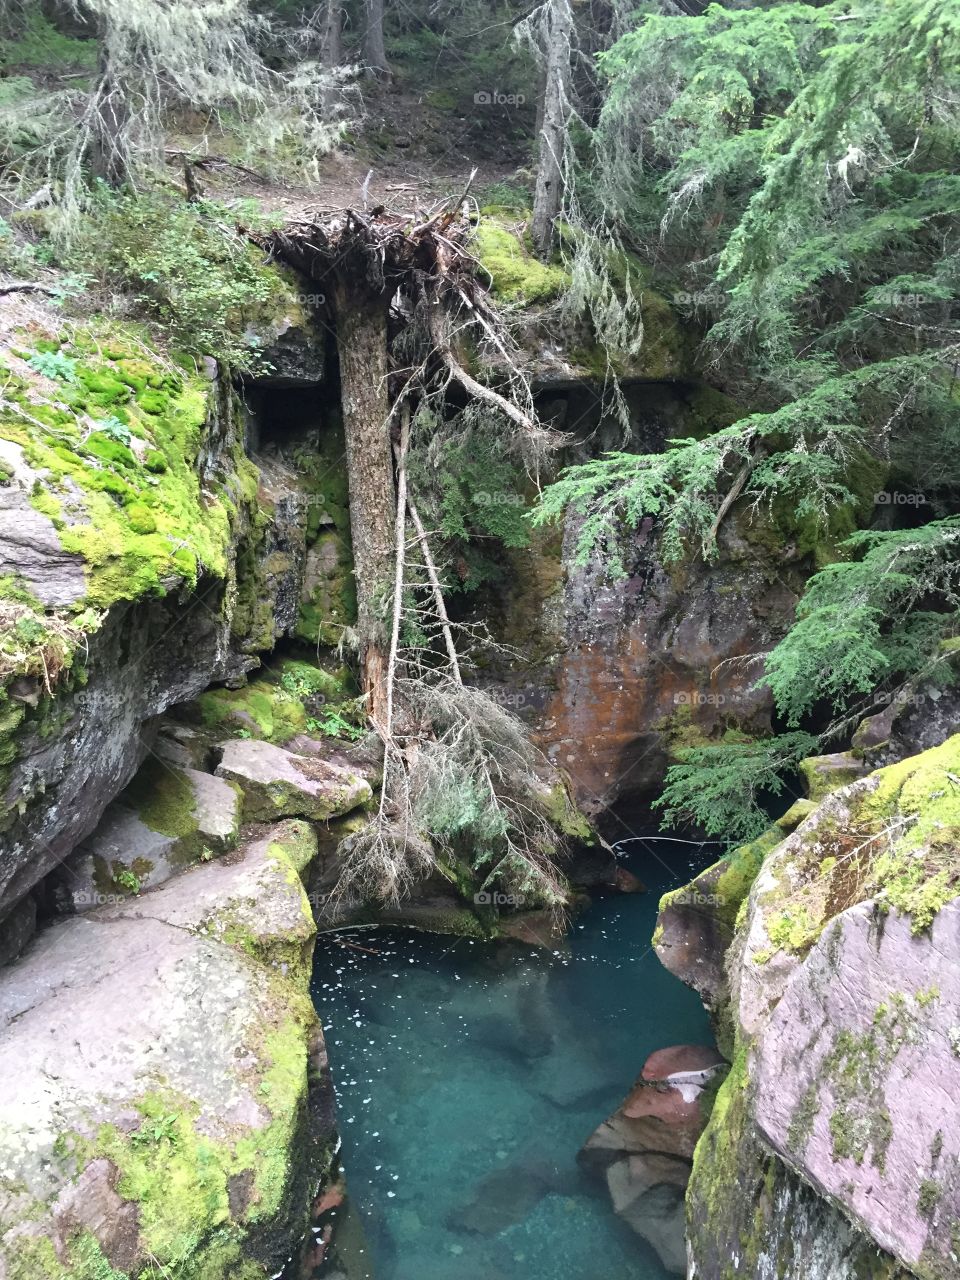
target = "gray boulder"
x: 278, y: 783
x: 156, y: 1103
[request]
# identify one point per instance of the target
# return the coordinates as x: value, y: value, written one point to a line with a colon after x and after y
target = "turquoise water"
x: 468, y: 1076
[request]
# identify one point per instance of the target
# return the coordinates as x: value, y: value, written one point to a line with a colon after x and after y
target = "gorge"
x: 479, y: 739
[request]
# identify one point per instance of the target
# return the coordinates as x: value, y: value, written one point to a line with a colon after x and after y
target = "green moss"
x: 799, y: 810
x: 296, y: 846
x: 738, y: 870
x: 919, y: 799
x: 929, y: 1197
x: 36, y: 1259
x: 516, y: 275
x: 716, y: 1156
x: 725, y: 885
x: 138, y: 526
x: 140, y: 518
x: 566, y: 817
x: 280, y: 705
x: 164, y: 799
x: 793, y: 930
x: 260, y: 708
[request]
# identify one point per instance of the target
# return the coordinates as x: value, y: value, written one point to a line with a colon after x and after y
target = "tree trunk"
x: 558, y: 29
x: 331, y: 48
x: 108, y: 150
x: 374, y: 50
x: 331, y: 43
x: 362, y: 349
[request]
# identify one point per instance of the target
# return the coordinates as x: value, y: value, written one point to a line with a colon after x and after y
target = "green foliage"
x: 870, y: 619
x: 100, y: 108
x: 156, y: 1129
x: 340, y: 722
x: 54, y: 364
x: 116, y: 430
x: 472, y: 490
x: 792, y: 165
x: 718, y: 787
x: 39, y: 46
x: 201, y: 283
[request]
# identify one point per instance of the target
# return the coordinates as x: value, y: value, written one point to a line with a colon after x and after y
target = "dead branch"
x: 27, y: 286
x: 399, y: 526
x: 437, y: 590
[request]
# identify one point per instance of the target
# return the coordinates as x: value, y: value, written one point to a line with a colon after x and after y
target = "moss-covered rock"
x: 187, y: 1147
x: 166, y: 819
x: 516, y: 274
x: 277, y: 783
x: 823, y: 1153
x: 826, y: 774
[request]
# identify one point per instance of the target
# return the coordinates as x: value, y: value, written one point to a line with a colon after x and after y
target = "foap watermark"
x: 893, y: 498
x: 85, y: 898
x: 310, y: 299
x: 905, y: 301
x: 485, y: 98
x: 493, y: 898
x: 501, y: 498
x: 697, y: 698
x: 900, y: 699
x: 693, y: 898
x: 706, y: 298
x: 512, y: 699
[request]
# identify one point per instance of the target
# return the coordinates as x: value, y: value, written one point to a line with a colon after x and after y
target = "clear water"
x: 468, y: 1076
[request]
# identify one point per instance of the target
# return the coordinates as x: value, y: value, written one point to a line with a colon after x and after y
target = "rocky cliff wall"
x: 831, y: 1150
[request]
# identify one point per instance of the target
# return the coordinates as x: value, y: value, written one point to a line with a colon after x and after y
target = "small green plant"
x: 54, y: 364
x: 127, y: 880
x: 334, y: 724
x: 115, y: 429
x: 156, y: 1130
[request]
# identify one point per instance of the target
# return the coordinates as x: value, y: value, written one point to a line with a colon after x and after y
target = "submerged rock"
x: 177, y: 1126
x: 645, y: 1149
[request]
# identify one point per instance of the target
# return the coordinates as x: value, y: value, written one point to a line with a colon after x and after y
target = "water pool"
x: 468, y: 1076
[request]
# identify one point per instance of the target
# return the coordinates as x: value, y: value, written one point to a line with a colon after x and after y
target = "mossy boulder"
x: 696, y: 926
x: 516, y: 274
x: 277, y: 783
x: 889, y: 838
x: 166, y: 819
x: 826, y: 774
x: 826, y: 1150
x: 277, y: 707
x: 186, y: 1149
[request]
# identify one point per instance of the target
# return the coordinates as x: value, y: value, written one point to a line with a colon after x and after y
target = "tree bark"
x: 331, y: 44
x: 331, y: 47
x: 362, y: 349
x: 558, y: 29
x: 108, y: 151
x: 374, y: 50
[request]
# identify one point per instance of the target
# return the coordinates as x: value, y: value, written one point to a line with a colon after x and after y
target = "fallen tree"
x: 460, y: 775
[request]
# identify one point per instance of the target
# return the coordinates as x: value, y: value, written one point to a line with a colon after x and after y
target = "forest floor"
x: 404, y: 153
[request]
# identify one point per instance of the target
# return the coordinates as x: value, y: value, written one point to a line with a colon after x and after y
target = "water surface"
x: 469, y: 1074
